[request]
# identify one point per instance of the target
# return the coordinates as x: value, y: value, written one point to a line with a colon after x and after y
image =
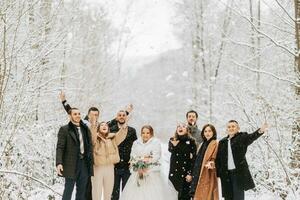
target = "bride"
x: 145, y: 181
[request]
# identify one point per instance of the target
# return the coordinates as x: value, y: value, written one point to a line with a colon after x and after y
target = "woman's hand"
x: 174, y: 141
x: 142, y: 173
x: 147, y: 159
x: 210, y: 165
x: 188, y: 178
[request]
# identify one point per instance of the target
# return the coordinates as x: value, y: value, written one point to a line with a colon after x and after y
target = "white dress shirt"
x: 231, y: 164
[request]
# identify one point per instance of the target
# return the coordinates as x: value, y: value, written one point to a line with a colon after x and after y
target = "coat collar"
x: 227, y: 137
x: 140, y: 141
x: 210, y: 153
x: 72, y: 131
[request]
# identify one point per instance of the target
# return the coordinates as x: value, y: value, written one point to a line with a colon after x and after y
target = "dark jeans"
x: 120, y: 175
x: 81, y: 181
x: 237, y: 192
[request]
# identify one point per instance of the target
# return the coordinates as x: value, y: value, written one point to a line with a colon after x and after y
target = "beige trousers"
x: 103, y: 182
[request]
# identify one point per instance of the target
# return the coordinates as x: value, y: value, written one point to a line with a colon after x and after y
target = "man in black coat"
x: 231, y: 163
x: 122, y: 172
x: 74, y: 158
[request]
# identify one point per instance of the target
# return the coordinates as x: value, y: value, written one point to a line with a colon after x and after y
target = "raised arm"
x: 93, y: 129
x: 172, y: 144
x: 250, y: 138
x: 114, y: 121
x: 121, y: 135
x: 63, y: 100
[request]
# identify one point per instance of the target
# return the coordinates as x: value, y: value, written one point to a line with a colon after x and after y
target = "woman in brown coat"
x: 204, y: 182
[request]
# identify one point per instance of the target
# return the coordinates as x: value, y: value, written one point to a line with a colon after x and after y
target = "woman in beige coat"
x: 106, y: 154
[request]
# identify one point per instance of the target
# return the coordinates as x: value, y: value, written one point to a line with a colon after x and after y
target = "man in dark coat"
x: 122, y: 172
x: 74, y: 158
x: 231, y: 163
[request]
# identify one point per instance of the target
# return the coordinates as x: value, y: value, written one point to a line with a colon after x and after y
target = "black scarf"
x: 198, y: 165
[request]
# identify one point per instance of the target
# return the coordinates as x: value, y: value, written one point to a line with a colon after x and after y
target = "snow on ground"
x: 39, y: 193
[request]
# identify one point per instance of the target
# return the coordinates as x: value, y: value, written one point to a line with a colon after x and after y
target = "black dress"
x: 182, y: 160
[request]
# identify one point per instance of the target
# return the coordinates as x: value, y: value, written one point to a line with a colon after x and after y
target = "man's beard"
x: 74, y: 122
x: 121, y: 122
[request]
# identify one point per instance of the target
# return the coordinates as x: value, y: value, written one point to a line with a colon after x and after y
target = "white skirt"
x: 150, y: 188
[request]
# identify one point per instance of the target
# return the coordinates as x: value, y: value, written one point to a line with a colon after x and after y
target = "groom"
x: 122, y: 172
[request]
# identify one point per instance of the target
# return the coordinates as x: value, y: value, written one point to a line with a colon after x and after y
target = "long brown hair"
x: 213, y: 130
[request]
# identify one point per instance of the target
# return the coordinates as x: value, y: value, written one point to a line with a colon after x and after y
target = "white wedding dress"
x: 153, y: 187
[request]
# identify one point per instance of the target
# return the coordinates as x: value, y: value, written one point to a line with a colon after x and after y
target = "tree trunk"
x: 295, y: 157
x: 3, y: 64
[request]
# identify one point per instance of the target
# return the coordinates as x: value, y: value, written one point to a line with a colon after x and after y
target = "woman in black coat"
x: 183, y: 152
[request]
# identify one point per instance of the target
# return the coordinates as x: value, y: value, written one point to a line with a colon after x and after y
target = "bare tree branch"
x: 294, y: 83
x: 30, y: 177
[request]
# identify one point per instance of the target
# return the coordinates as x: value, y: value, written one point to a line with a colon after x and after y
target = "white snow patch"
x: 185, y: 74
x: 170, y: 94
x: 169, y: 77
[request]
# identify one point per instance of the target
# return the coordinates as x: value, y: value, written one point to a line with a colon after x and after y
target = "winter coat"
x: 239, y: 145
x: 182, y: 160
x: 207, y: 187
x: 151, y: 148
x: 68, y: 149
x: 105, y: 150
x: 196, y: 133
x: 125, y: 146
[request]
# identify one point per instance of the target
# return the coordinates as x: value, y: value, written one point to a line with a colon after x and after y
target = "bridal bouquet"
x: 141, y: 166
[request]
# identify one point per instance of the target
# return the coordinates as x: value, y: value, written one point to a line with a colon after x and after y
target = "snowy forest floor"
x: 250, y: 195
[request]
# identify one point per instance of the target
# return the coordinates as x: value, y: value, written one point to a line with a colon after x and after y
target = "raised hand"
x: 264, y: 128
x: 129, y: 108
x: 174, y: 141
x: 62, y: 96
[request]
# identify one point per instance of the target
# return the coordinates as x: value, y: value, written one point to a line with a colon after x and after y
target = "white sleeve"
x: 134, y: 151
x: 156, y: 152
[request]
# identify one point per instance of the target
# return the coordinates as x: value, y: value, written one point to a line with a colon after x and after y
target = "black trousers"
x: 121, y: 175
x: 237, y: 192
x: 81, y: 181
x: 184, y: 191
